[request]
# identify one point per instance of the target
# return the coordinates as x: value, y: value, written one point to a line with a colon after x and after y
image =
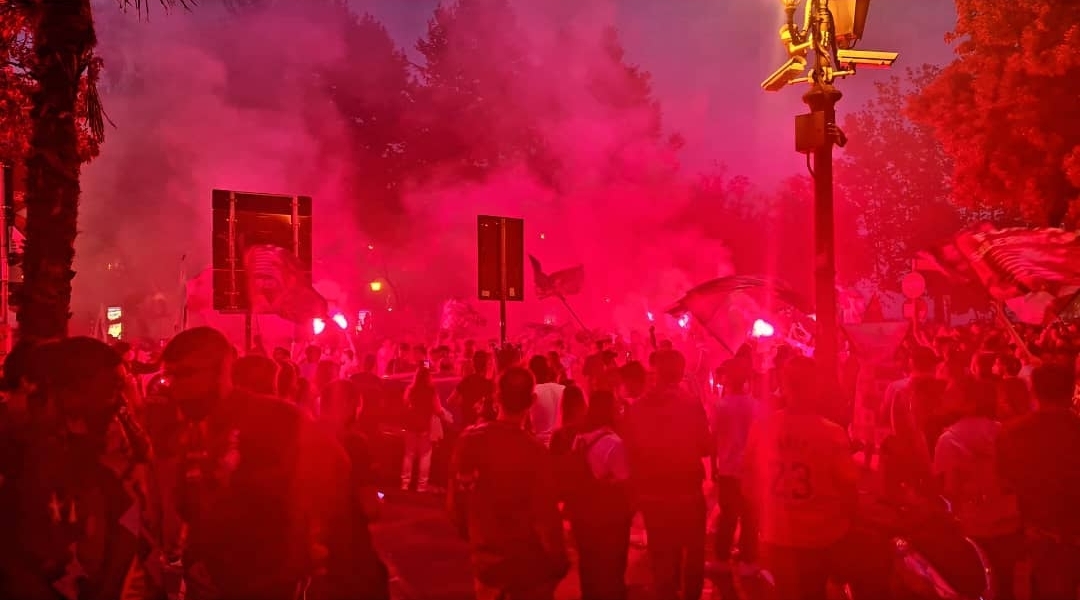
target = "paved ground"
x: 428, y: 561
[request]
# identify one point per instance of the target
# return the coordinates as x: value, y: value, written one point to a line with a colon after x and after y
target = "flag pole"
x: 570, y: 309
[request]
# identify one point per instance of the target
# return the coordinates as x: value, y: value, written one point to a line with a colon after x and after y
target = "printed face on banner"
x: 272, y: 272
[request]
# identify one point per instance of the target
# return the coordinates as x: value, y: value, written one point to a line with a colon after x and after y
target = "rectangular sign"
x: 501, y: 258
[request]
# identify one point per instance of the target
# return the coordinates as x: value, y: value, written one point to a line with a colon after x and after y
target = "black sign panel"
x: 245, y: 219
x: 501, y: 258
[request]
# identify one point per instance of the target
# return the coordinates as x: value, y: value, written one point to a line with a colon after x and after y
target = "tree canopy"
x: 1004, y: 109
x: 893, y: 178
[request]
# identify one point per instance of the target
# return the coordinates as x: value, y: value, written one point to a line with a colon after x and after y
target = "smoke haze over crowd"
x: 208, y: 99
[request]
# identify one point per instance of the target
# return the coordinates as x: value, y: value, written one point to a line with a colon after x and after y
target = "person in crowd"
x: 800, y: 479
x: 598, y: 503
x: 913, y: 410
x: 544, y: 413
x: 593, y: 366
x: 441, y: 362
x: 558, y: 369
x: 573, y: 410
x: 312, y: 356
x: 422, y: 409
x: 134, y: 371
x: 80, y: 526
x: 965, y: 464
x: 264, y: 493
x: 770, y: 385
x: 256, y: 374
x: 667, y: 438
x: 342, y: 405
x: 465, y: 358
x: 506, y: 356
x: 350, y: 364
x: 503, y: 499
x: 475, y: 393
x: 633, y: 380
x: 566, y: 359
x: 1038, y: 456
x: 734, y: 412
x: 1015, y: 395
x: 325, y: 372
x: 288, y: 381
x: 373, y: 394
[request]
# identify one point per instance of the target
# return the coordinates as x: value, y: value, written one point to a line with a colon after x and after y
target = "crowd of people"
x: 210, y: 475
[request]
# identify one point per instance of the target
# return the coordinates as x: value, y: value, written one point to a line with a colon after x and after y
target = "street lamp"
x: 830, y: 30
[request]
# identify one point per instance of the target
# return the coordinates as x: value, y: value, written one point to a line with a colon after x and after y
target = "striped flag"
x: 1011, y: 263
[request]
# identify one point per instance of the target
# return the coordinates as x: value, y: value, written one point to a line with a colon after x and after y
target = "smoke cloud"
x: 201, y: 100
x: 206, y: 99
x: 619, y: 200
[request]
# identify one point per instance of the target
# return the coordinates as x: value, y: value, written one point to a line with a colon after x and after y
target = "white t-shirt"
x: 544, y: 413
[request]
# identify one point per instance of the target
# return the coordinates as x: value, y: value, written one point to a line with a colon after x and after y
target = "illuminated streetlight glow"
x: 376, y: 286
x: 318, y: 326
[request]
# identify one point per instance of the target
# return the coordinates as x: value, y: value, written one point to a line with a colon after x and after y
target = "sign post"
x: 501, y: 264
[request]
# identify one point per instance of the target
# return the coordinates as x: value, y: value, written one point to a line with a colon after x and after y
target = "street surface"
x: 428, y: 561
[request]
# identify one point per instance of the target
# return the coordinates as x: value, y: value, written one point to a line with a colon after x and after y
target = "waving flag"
x: 706, y: 299
x: 1023, y: 267
x: 727, y: 307
x: 565, y: 282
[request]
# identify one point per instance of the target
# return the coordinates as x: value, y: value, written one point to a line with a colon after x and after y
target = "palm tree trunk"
x: 64, y: 40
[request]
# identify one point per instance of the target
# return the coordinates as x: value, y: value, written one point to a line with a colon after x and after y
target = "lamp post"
x: 830, y: 30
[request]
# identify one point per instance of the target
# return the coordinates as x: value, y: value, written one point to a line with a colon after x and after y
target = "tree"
x: 16, y: 84
x: 471, y: 115
x: 372, y: 89
x: 66, y: 126
x: 893, y: 183
x: 1003, y: 108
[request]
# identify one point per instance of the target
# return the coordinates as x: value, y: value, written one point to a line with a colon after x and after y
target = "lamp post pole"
x: 822, y: 98
x: 830, y: 31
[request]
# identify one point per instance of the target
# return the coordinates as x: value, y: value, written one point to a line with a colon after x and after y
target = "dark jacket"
x: 262, y: 489
x: 1038, y: 456
x: 503, y: 499
x: 667, y: 435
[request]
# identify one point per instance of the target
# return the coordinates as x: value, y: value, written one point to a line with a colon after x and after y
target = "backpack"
x: 583, y: 491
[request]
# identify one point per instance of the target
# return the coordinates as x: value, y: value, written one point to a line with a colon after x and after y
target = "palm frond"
x: 142, y: 7
x: 95, y: 110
